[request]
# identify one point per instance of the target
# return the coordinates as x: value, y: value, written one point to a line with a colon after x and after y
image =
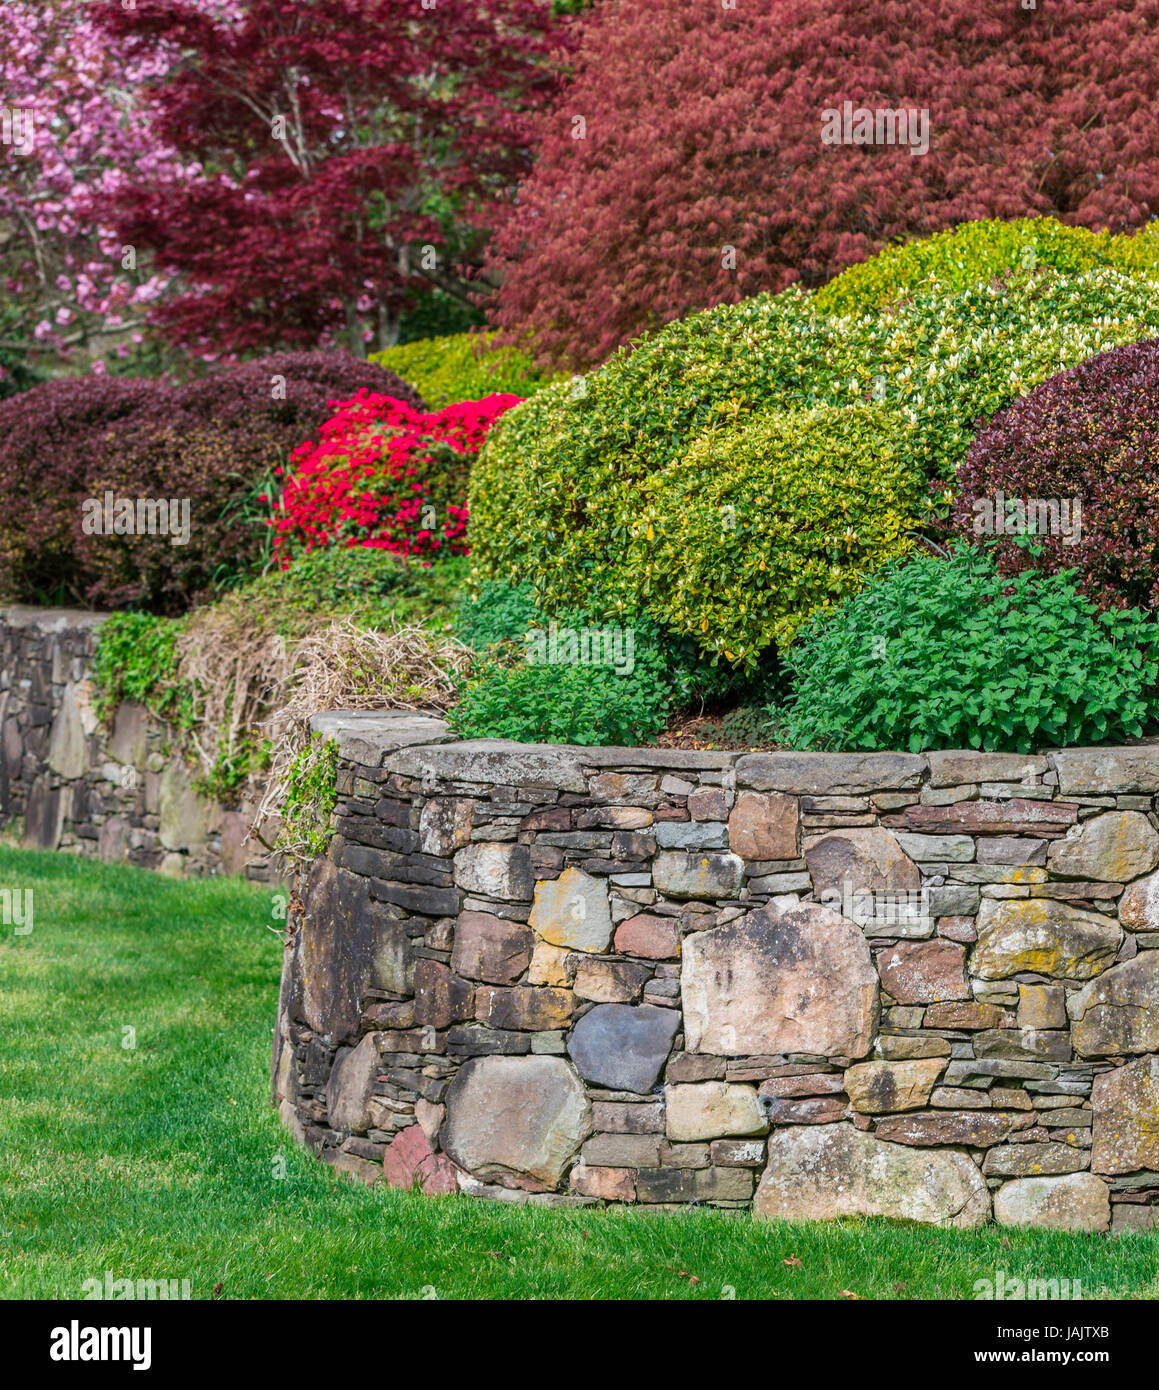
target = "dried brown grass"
x: 247, y: 679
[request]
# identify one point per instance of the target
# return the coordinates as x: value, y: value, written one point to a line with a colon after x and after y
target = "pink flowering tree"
x: 73, y: 129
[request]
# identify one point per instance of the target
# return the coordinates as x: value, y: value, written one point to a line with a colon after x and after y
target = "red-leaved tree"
x: 341, y: 156
x: 684, y: 165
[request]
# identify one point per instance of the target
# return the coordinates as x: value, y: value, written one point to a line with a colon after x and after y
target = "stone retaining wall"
x: 814, y: 984
x: 117, y: 792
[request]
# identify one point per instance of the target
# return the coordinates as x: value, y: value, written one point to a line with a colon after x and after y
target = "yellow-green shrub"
x: 978, y: 251
x: 462, y: 367
x: 755, y: 528
x: 561, y: 491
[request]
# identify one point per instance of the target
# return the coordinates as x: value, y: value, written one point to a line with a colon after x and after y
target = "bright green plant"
x: 578, y: 704
x: 497, y: 613
x: 311, y: 795
x: 949, y: 654
x: 136, y: 658
x: 462, y: 367
x: 366, y: 583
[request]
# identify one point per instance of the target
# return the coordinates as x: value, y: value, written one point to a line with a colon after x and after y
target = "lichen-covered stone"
x: 826, y: 1171
x: 712, y: 1110
x: 830, y: 774
x: 495, y: 869
x: 1074, y: 1202
x: 1115, y: 847
x: 1139, y: 905
x: 573, y: 911
x: 445, y: 825
x: 1111, y: 771
x: 880, y: 1088
x: 1033, y: 1160
x: 551, y: 965
x: 1118, y: 1012
x: 517, y: 1121
x: 697, y: 874
x: 1126, y: 1118
x: 924, y: 972
x: 794, y: 979
x: 621, y: 1047
x: 1042, y: 936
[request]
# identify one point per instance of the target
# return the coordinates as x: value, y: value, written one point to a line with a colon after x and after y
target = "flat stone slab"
x: 798, y: 980
x: 818, y: 1172
x: 491, y: 762
x: 830, y: 774
x: 1127, y: 770
x: 367, y: 736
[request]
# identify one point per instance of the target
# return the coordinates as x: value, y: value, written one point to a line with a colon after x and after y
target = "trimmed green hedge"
x: 755, y: 527
x: 462, y: 367
x: 972, y: 253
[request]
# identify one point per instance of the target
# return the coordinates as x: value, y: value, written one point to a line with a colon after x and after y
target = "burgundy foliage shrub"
x: 701, y: 176
x: 1089, y: 435
x: 48, y: 437
x: 211, y: 441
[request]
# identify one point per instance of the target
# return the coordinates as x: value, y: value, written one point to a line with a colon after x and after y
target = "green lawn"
x: 164, y: 1160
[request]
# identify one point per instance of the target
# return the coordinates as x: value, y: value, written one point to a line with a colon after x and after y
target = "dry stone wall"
x: 818, y: 985
x: 115, y: 790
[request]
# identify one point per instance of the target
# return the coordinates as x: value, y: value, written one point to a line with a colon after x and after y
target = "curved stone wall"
x: 116, y: 791
x: 813, y: 984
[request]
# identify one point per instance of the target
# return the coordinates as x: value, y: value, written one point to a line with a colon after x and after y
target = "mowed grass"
x: 164, y: 1160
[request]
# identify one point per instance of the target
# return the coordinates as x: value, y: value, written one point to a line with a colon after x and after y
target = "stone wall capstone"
x: 117, y: 791
x: 813, y: 985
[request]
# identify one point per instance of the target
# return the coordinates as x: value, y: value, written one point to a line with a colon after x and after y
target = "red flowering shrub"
x: 386, y: 475
x: 1076, y: 462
